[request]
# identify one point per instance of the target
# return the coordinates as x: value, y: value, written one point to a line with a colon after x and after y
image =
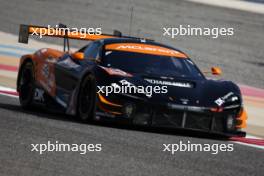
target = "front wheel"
x: 87, y: 99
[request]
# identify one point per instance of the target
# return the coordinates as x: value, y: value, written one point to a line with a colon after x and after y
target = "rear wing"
x: 61, y: 31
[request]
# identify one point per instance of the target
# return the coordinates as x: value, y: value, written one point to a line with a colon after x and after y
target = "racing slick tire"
x: 87, y: 99
x: 26, y: 85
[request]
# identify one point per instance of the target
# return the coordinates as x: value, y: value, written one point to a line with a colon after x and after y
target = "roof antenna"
x: 131, y: 19
x: 66, y: 44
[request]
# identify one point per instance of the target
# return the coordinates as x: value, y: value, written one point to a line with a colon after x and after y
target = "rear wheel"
x: 86, y: 99
x: 26, y: 85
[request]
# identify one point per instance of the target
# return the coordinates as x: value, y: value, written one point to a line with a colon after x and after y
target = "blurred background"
x: 240, y: 56
x: 129, y: 151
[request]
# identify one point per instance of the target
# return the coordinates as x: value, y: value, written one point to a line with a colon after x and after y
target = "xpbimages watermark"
x: 62, y: 147
x: 125, y: 87
x: 188, y: 30
x: 192, y: 147
x: 82, y: 32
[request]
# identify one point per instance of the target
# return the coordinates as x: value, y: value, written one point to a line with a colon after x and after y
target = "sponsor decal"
x: 49, y: 79
x: 184, y: 101
x: 45, y: 71
x: 235, y: 98
x: 220, y: 101
x: 145, y: 48
x: 39, y: 95
x: 169, y: 83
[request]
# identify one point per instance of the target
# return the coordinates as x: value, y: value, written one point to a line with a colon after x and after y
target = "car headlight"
x: 230, y: 122
x: 129, y: 110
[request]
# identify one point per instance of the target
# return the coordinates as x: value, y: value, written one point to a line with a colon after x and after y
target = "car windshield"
x: 133, y: 62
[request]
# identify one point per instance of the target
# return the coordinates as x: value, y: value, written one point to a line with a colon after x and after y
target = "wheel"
x: 141, y: 120
x: 87, y: 99
x: 26, y: 85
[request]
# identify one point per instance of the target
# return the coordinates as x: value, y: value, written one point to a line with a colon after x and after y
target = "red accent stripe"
x: 9, y: 92
x: 8, y: 67
x: 252, y: 91
x: 259, y: 142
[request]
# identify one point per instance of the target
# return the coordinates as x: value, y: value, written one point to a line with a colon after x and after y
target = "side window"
x: 92, y: 51
x: 83, y: 48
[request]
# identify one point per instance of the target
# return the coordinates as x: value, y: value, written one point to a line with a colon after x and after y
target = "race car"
x: 126, y: 78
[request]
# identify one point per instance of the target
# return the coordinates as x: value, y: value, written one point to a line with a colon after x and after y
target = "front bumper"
x: 210, y: 122
x: 176, y: 116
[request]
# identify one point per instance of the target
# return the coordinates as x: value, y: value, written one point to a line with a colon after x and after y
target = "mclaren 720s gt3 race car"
x: 165, y: 87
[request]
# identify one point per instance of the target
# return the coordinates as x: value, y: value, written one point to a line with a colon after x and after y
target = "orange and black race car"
x: 168, y: 88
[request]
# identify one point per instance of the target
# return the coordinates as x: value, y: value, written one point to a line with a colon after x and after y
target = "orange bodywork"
x: 145, y: 49
x: 43, y: 61
x: 216, y: 71
x: 103, y: 103
x: 44, y: 31
x: 242, y: 118
x: 44, y: 68
x: 108, y: 111
x: 78, y: 55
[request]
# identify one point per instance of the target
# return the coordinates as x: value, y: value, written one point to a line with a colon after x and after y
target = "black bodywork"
x: 191, y: 107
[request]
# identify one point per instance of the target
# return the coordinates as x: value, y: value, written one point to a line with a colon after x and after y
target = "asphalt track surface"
x: 129, y: 151
x: 125, y: 151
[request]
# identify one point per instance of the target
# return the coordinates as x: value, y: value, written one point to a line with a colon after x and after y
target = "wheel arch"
x: 23, y: 60
x: 84, y: 75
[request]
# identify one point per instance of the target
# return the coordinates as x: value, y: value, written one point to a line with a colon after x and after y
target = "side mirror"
x: 78, y: 55
x: 216, y: 71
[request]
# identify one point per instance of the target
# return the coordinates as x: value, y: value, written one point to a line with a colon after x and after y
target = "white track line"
x: 253, y: 137
x: 2, y: 88
x: 250, y: 145
x: 234, y: 4
x: 9, y: 95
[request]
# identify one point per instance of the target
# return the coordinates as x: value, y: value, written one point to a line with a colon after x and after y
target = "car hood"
x: 203, y: 92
